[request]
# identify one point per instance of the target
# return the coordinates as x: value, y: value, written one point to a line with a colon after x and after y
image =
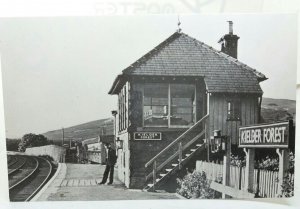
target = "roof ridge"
x: 228, y: 57
x: 152, y: 52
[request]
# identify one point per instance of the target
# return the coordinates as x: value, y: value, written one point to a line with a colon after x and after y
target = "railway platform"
x: 78, y: 182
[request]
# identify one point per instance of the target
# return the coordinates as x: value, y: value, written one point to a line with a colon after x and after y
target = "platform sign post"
x: 222, y: 144
x: 273, y: 135
x: 249, y: 171
x: 283, y: 166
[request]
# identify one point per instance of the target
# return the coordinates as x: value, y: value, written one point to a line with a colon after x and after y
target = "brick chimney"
x: 229, y: 42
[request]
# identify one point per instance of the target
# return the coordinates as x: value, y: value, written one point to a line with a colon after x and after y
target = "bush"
x: 195, y: 185
x: 32, y: 140
x: 287, y: 187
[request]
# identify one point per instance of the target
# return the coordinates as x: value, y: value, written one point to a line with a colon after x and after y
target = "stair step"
x: 168, y: 169
x: 193, y: 150
x: 162, y: 174
x: 181, y: 159
x: 150, y: 185
x: 174, y: 165
x: 157, y: 180
x: 187, y: 155
x: 198, y: 145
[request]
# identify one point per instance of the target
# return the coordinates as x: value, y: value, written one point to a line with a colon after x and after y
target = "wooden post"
x: 154, y: 175
x: 207, y: 138
x: 249, y: 171
x: 283, y: 166
x: 257, y: 183
x: 240, y: 177
x: 226, y: 165
x: 180, y: 154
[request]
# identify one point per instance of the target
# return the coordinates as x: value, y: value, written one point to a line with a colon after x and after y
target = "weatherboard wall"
x: 249, y: 113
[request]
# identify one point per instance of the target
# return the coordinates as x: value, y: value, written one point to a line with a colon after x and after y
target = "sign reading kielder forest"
x: 275, y: 135
x: 147, y: 136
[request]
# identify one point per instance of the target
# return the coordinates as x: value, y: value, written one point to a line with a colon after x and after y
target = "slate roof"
x: 182, y: 55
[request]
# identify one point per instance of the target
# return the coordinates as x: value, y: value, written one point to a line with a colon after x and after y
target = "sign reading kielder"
x: 265, y: 135
x: 147, y: 136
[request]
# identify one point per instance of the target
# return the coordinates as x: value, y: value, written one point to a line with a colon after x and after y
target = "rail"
x: 30, y: 184
x: 29, y: 175
x: 12, y: 161
x: 18, y: 167
x: 43, y: 183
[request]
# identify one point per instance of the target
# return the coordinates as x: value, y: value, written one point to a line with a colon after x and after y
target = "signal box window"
x: 183, y: 104
x: 156, y: 105
x: 169, y: 105
x: 234, y: 109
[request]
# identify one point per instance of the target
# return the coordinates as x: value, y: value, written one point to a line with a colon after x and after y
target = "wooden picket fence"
x: 265, y: 186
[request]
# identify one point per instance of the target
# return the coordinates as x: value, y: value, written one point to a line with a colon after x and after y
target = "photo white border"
x: 35, y: 8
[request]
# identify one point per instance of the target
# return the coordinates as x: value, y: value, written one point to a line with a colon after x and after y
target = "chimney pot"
x: 230, y: 27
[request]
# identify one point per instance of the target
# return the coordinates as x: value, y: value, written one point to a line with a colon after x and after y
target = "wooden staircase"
x: 184, y: 147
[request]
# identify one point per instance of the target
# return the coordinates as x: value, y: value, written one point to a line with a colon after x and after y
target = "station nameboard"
x: 147, y: 136
x: 275, y: 135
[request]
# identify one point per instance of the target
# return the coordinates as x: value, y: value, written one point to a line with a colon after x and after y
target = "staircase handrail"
x: 176, y: 140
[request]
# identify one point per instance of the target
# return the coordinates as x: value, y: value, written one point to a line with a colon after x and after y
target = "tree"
x: 32, y: 140
x: 12, y: 144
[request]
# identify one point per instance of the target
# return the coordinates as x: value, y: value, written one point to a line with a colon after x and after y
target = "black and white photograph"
x: 149, y: 107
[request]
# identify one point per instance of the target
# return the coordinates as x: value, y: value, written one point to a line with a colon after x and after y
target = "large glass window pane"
x: 182, y: 104
x: 156, y: 104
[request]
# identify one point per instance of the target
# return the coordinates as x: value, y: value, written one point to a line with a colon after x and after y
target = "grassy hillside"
x: 278, y: 109
x: 83, y: 131
x: 272, y: 110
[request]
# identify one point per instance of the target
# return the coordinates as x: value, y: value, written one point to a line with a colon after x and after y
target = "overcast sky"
x: 57, y: 71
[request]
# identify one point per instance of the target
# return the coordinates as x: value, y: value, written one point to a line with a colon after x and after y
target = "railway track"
x: 16, y: 165
x: 29, y: 179
x: 11, y: 160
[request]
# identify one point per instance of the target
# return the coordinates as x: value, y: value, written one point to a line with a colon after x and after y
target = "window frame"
x: 169, y: 125
x: 123, y: 109
x: 235, y: 105
x: 143, y: 104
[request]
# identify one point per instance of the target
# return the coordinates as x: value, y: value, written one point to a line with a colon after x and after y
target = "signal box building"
x: 170, y: 101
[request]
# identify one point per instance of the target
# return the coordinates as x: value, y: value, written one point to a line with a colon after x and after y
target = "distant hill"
x: 278, y: 109
x: 83, y: 131
x: 272, y: 110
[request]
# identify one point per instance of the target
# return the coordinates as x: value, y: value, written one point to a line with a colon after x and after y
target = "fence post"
x: 257, y: 183
x: 226, y: 166
x: 207, y: 138
x: 180, y: 154
x: 154, y: 175
x: 249, y: 171
x: 240, y: 177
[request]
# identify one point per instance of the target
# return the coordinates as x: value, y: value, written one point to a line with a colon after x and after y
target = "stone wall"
x: 56, y: 152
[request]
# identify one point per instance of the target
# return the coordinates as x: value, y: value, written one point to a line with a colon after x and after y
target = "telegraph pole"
x: 63, y: 136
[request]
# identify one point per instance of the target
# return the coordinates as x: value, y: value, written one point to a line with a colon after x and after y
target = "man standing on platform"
x: 110, y: 164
